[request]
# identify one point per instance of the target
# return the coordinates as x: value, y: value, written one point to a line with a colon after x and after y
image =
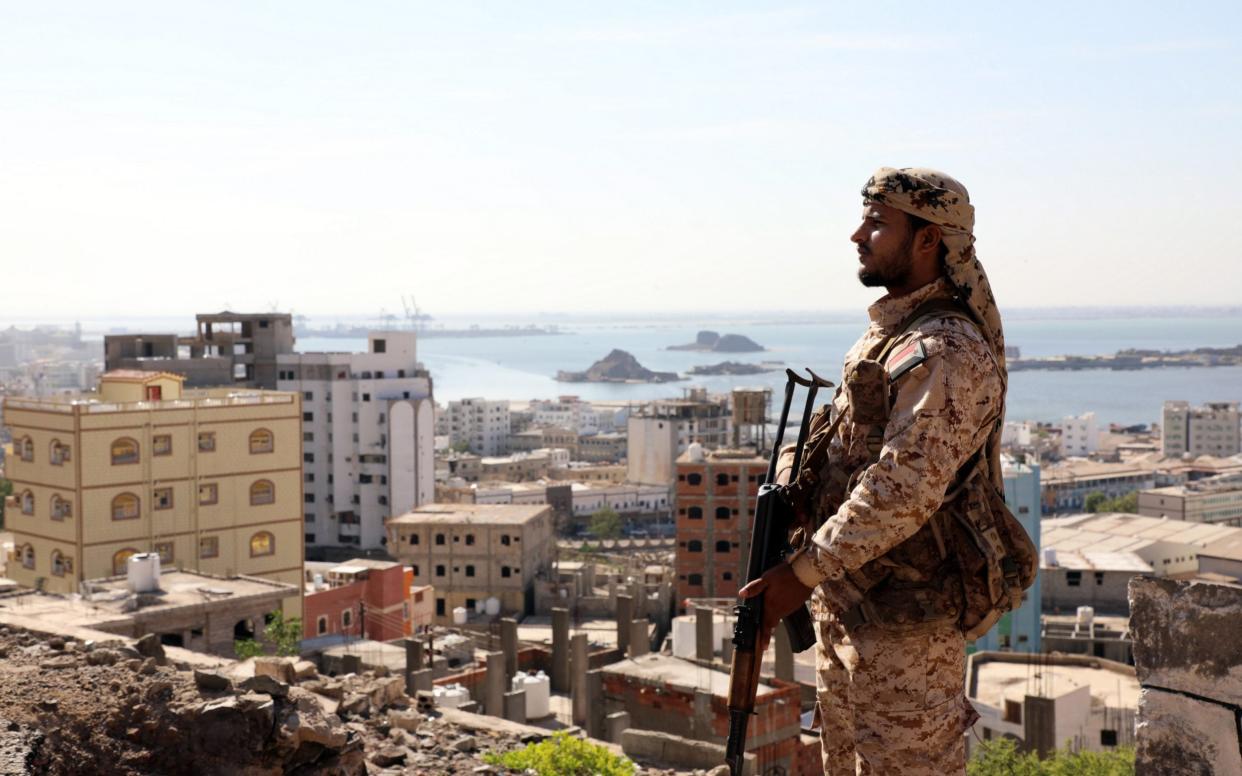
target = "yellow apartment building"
x: 209, y: 479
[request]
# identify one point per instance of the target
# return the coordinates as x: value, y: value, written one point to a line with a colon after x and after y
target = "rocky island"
x: 736, y: 368
x: 617, y: 367
x: 713, y: 342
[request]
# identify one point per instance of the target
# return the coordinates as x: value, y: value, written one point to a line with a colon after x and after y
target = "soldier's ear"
x: 928, y: 240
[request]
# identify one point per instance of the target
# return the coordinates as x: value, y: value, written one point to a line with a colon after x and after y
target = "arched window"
x: 694, y: 545
x: 58, y: 453
x: 262, y: 492
x: 28, y: 557
x: 121, y: 559
x: 722, y: 513
x: 347, y: 618
x: 262, y: 441
x: 61, y: 508
x: 321, y: 625
x: 694, y: 479
x: 722, y: 545
x: 469, y: 538
x: 696, y: 513
x: 125, y: 506
x: 58, y: 564
x: 25, y: 449
x: 262, y: 543
x: 124, y: 450
x: 722, y: 479
x: 27, y: 503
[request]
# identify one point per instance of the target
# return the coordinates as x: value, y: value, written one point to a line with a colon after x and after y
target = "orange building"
x: 715, y: 498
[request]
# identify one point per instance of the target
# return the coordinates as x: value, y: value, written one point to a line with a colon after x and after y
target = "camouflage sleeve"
x: 943, y: 412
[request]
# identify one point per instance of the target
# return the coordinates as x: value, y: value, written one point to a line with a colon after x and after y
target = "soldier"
x: 887, y: 596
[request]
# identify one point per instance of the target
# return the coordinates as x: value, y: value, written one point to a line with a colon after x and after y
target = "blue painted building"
x: 1019, y: 630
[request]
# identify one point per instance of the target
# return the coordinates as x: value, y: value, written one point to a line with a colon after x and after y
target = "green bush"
x: 1002, y: 758
x: 563, y: 755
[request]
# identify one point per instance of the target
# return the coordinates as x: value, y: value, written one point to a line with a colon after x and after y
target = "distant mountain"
x: 735, y: 368
x: 712, y: 342
x: 617, y: 367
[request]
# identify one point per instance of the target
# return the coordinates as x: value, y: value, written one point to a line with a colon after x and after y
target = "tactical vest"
x: 969, y: 564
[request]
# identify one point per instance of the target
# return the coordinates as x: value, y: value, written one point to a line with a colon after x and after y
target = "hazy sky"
x: 168, y: 158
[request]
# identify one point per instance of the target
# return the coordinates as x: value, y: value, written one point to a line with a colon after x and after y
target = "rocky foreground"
x: 111, y: 707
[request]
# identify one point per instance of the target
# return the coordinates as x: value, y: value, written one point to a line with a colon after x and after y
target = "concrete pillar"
x: 639, y: 593
x: 615, y: 724
x: 625, y: 615
x: 560, y: 650
x: 421, y: 679
x: 578, y: 671
x: 640, y: 638
x: 726, y: 649
x: 612, y: 588
x: 595, y: 704
x: 413, y: 654
x: 704, y: 617
x: 784, y: 654
x: 515, y: 706
x: 494, y: 687
x: 351, y: 664
x: 509, y: 645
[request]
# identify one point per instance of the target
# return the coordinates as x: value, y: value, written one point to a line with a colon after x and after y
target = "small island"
x: 1132, y: 358
x: 713, y: 342
x: 736, y: 368
x: 617, y: 367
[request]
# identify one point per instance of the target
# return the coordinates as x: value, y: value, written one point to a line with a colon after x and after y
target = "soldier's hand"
x: 782, y: 593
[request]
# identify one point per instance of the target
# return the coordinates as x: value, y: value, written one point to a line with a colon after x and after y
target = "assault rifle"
x: 775, y: 517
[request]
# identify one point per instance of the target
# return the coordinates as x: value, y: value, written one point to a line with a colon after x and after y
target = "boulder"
x: 211, y: 681
x: 263, y: 683
x: 150, y: 646
x: 279, y: 668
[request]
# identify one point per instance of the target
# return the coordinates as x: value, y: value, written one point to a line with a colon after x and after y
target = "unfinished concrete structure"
x: 227, y: 349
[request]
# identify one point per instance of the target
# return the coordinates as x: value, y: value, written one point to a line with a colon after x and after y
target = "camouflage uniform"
x: 890, y: 688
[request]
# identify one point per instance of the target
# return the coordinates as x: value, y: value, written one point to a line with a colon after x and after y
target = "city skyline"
x: 560, y: 158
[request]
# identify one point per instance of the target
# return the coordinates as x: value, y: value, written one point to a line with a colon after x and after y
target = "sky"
x: 164, y: 158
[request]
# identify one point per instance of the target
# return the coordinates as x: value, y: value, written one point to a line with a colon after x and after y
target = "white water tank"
x: 450, y: 696
x: 143, y: 572
x: 685, y: 634
x: 538, y: 691
x: 694, y: 452
x: 479, y: 606
x: 1050, y: 557
x: 318, y: 584
x: 1086, y: 615
x: 492, y: 606
x: 459, y: 615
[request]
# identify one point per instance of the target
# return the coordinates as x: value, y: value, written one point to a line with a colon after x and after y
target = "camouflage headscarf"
x: 939, y: 199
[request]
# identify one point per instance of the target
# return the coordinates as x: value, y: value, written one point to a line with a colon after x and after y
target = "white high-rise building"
x: 480, y: 424
x: 1080, y: 436
x: 1208, y: 430
x: 367, y: 437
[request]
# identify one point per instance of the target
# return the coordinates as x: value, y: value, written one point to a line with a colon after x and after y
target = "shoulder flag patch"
x: 905, y: 359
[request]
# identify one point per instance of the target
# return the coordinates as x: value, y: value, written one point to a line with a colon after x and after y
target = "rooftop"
x: 994, y: 677
x: 677, y: 674
x: 69, y: 403
x: 1108, y: 541
x: 450, y: 514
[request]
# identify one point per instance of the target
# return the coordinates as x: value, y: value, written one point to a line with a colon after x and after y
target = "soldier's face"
x: 884, y: 240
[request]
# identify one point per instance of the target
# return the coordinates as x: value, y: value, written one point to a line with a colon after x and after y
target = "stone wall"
x: 1187, y: 652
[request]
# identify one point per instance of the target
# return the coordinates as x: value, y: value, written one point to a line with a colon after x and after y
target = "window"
x: 504, y: 539
x: 1108, y: 737
x: 694, y: 545
x: 722, y: 513
x: 728, y: 575
x: 262, y: 543
x: 694, y: 479
x: 366, y: 397
x: 347, y: 618
x: 308, y: 396
x: 28, y: 507
x: 722, y: 479
x: 696, y: 513
x: 380, y: 346
x: 1099, y: 577
x: 1013, y: 712
x: 26, y: 450
x: 58, y: 564
x: 208, y: 493
x: 414, y: 570
x: 124, y: 450
x: 28, y: 557
x: 308, y: 436
x: 262, y: 441
x: 206, y: 441
x: 439, y: 607
x: 125, y: 506
x: 722, y: 546
x: 165, y: 551
x: 61, y: 508
x: 439, y: 539
x: 308, y: 457
x: 695, y: 579
x: 469, y: 539
x: 59, y: 453
x: 209, y: 547
x: 440, y: 570
x: 470, y: 570
x: 163, y: 498
x: 1073, y: 578
x: 262, y: 492
x: 309, y: 477
x: 321, y: 625
x: 161, y: 444
x: 308, y: 498
x: 413, y: 539
x: 121, y: 559
x: 505, y: 572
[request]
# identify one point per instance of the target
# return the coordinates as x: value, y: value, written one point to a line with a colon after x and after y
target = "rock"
x: 1177, y: 734
x: 59, y: 662
x: 279, y: 668
x: 56, y: 642
x: 265, y: 684
x: 150, y: 646
x: 1186, y: 636
x: 617, y: 367
x: 300, y: 727
x: 304, y: 669
x: 390, y: 755
x: 405, y: 720
x: 466, y: 744
x: 259, y: 709
x: 102, y: 657
x: 211, y: 681
x: 355, y: 704
x: 147, y: 667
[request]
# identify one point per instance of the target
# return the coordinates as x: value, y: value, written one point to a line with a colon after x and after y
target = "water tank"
x: 694, y: 452
x: 459, y: 615
x: 480, y: 606
x: 143, y: 572
x: 492, y: 606
x: 1086, y: 615
x: 538, y: 691
x: 450, y: 696
x: 1050, y: 557
x: 318, y: 584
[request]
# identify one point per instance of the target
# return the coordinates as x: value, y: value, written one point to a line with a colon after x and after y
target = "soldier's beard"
x: 891, y: 270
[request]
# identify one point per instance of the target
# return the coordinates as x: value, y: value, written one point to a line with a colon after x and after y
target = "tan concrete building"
x: 1213, y: 500
x: 472, y: 552
x: 1212, y: 429
x: 210, y: 480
